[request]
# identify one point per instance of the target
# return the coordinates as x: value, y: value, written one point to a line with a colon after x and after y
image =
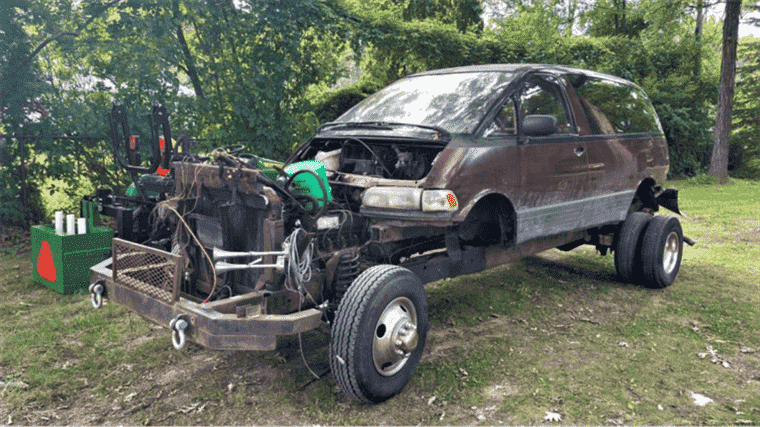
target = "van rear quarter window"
x: 616, y: 108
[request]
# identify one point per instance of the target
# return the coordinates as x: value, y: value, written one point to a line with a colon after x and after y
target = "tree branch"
x: 42, y: 46
x: 191, y: 71
x: 59, y: 34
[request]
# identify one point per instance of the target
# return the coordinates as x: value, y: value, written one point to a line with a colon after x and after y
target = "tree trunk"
x: 698, y: 38
x: 719, y: 160
x: 572, y: 6
x: 192, y: 72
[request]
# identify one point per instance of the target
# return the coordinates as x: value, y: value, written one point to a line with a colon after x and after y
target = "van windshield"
x: 456, y: 102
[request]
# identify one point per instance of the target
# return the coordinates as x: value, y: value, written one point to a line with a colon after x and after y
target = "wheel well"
x: 492, y: 220
x: 645, y: 200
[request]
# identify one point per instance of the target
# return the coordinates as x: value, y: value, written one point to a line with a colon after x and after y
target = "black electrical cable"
x: 379, y: 160
x: 262, y: 179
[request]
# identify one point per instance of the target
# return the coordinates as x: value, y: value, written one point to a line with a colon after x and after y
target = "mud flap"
x: 668, y: 199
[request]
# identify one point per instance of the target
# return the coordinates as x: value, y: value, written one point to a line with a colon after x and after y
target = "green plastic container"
x: 306, y: 183
x: 62, y: 263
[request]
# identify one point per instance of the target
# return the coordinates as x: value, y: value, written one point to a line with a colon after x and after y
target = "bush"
x: 332, y: 104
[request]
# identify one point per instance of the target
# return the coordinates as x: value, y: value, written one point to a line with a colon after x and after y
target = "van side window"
x: 615, y: 108
x: 540, y: 96
x: 504, y: 122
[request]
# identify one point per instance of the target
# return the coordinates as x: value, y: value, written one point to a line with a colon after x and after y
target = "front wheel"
x: 379, y: 333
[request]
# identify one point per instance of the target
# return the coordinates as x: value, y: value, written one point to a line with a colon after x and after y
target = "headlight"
x: 411, y: 199
x: 393, y: 198
x: 439, y: 201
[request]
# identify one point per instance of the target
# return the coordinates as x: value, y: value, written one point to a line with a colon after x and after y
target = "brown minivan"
x: 501, y: 155
x: 442, y: 173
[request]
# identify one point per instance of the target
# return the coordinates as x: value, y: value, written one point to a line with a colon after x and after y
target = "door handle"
x: 579, y: 151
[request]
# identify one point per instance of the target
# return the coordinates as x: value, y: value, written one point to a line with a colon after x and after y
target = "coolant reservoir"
x: 306, y: 183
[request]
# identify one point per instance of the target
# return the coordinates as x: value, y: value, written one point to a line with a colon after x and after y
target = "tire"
x: 628, y: 246
x: 379, y: 333
x: 661, y: 252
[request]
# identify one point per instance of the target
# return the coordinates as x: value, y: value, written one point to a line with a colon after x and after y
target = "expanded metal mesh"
x: 147, y: 270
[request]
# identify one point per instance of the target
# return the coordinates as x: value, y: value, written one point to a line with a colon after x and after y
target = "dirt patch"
x: 749, y: 233
x: 14, y: 238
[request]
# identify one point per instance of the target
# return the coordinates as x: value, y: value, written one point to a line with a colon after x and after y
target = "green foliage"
x: 223, y: 72
x: 612, y: 18
x: 745, y: 140
x: 260, y: 72
x: 332, y: 104
x: 463, y: 14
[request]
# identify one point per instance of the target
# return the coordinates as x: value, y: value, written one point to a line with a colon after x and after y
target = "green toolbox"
x: 62, y: 262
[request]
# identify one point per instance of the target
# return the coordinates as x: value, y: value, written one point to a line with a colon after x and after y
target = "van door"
x: 554, y: 167
x: 621, y: 123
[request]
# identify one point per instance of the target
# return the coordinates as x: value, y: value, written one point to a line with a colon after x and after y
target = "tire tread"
x: 628, y: 246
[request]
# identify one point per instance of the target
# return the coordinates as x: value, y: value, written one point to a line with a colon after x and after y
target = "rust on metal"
x: 148, y: 270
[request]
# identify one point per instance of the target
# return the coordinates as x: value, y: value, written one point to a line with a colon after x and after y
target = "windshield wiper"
x: 441, y: 133
x: 355, y: 125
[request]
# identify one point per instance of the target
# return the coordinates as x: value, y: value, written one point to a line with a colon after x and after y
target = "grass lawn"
x: 553, y: 335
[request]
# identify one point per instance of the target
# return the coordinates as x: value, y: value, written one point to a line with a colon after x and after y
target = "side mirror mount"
x: 539, y: 125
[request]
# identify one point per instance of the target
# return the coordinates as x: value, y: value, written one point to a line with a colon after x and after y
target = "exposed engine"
x: 235, y: 218
x: 395, y: 159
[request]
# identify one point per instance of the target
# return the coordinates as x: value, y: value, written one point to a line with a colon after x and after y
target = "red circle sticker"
x: 452, y: 200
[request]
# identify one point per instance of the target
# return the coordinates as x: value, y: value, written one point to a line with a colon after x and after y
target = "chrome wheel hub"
x: 670, y: 253
x: 395, y: 336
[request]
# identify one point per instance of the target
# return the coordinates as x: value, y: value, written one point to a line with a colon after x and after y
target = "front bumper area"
x: 235, y: 323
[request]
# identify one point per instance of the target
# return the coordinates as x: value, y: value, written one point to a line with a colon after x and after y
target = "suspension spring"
x: 345, y: 272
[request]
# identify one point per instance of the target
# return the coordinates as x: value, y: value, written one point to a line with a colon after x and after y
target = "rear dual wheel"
x: 379, y: 333
x: 661, y: 251
x: 649, y: 249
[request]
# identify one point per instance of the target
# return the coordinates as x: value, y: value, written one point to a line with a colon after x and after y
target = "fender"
x: 462, y: 214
